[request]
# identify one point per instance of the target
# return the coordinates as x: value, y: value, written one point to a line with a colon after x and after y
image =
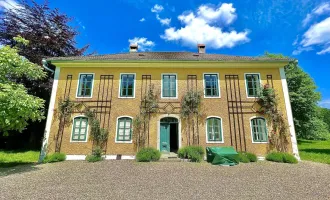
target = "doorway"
x: 169, y: 140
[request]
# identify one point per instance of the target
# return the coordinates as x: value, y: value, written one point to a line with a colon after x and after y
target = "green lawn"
x: 316, y: 151
x: 13, y: 158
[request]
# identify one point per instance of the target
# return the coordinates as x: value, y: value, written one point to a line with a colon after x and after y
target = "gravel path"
x: 164, y: 180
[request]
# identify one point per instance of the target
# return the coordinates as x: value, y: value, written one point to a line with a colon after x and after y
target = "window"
x: 124, y: 129
x: 211, y: 84
x: 127, y: 85
x: 169, y: 85
x: 79, y: 131
x: 252, y: 84
x: 85, y: 85
x: 259, y: 130
x: 214, y: 129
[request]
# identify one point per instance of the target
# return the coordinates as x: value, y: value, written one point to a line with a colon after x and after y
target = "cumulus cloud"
x: 143, y: 43
x: 319, y: 10
x: 206, y: 26
x: 317, y: 34
x: 9, y: 4
x: 142, y: 20
x: 157, y: 8
x: 165, y: 21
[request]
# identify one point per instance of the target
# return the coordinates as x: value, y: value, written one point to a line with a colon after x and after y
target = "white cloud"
x: 319, y: 10
x: 143, y: 43
x: 165, y: 21
x: 157, y: 8
x: 325, y: 103
x: 324, y: 51
x: 317, y: 34
x: 142, y: 20
x: 206, y: 27
x: 9, y: 4
x: 299, y: 50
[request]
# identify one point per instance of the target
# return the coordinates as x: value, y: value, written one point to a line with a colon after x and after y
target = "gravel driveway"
x: 165, y: 180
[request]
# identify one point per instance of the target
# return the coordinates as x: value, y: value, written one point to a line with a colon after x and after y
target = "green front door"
x: 164, y: 137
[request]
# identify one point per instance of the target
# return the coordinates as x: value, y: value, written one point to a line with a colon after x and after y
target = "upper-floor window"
x: 259, y: 130
x: 85, y: 85
x: 214, y: 129
x: 252, y: 84
x: 169, y: 85
x: 127, y: 85
x: 79, y: 130
x: 211, y: 84
x: 124, y: 129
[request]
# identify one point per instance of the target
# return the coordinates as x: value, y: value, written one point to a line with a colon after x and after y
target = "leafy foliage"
x: 148, y: 154
x: 93, y: 158
x: 281, y: 157
x: 55, y: 157
x: 191, y: 111
x: 324, y: 114
x: 246, y: 157
x: 16, y: 105
x: 194, y: 153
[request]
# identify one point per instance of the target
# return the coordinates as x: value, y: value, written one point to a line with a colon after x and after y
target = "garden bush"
x: 281, y: 157
x: 55, y: 157
x: 194, y: 153
x: 148, y: 154
x: 93, y: 158
x: 251, y: 156
x: 246, y: 157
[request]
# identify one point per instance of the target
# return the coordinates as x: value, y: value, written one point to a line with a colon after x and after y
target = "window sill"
x: 214, y: 142
x: 84, y: 97
x: 126, y: 97
x: 124, y: 142
x: 259, y: 142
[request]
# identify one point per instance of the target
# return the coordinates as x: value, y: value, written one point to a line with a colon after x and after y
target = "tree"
x: 324, y: 114
x: 16, y: 105
x: 304, y: 99
x: 49, y: 35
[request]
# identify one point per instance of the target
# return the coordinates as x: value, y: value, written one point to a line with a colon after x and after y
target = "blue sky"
x: 300, y: 29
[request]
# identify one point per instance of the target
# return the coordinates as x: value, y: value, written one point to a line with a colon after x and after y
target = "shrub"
x: 148, y: 154
x: 55, y: 157
x: 93, y: 158
x: 243, y: 158
x: 281, y: 157
x: 194, y: 153
x: 252, y: 157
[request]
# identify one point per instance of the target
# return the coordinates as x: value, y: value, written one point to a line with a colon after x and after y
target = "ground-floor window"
x: 124, y: 129
x: 259, y: 130
x: 214, y: 129
x: 79, y: 131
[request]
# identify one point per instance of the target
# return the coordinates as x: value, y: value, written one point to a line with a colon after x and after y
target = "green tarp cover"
x: 222, y: 156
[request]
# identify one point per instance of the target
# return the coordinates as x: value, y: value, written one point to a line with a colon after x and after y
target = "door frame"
x: 179, y: 128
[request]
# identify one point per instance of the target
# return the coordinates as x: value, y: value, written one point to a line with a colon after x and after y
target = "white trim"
x: 50, y: 115
x: 214, y: 97
x: 86, y: 139
x: 179, y: 128
x: 120, y: 86
x: 207, y: 138
x: 78, y: 86
x: 261, y: 158
x: 247, y: 94
x: 176, y: 86
x: 289, y: 114
x: 253, y: 142
x: 75, y: 157
x: 127, y: 142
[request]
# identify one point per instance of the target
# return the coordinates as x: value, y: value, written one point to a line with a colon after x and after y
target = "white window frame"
x: 246, y: 90
x: 252, y: 130
x: 87, y: 133
x: 79, y: 83
x: 120, y: 86
x: 206, y: 133
x: 176, y: 86
x: 127, y: 142
x: 215, y: 97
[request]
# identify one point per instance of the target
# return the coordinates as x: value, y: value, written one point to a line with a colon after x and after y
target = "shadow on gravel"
x: 16, y: 167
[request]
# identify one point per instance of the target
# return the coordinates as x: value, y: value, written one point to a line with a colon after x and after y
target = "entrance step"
x: 170, y: 157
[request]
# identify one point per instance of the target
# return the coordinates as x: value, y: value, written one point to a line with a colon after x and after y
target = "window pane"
x: 211, y: 85
x: 169, y: 85
x: 252, y: 84
x: 124, y: 129
x: 80, y: 129
x: 259, y: 130
x: 214, y: 129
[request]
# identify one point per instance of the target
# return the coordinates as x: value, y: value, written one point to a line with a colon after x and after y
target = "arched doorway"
x: 169, y: 137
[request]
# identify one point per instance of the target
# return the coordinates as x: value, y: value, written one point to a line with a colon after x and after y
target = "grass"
x: 313, y: 150
x: 13, y: 158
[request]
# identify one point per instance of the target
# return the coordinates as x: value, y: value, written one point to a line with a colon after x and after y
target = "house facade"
x: 113, y: 86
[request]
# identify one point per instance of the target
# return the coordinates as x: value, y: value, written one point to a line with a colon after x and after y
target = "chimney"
x: 201, y: 48
x: 133, y: 48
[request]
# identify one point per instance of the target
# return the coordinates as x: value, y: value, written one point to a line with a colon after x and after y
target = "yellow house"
x: 113, y: 86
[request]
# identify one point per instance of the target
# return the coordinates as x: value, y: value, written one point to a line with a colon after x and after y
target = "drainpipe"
x: 45, y: 65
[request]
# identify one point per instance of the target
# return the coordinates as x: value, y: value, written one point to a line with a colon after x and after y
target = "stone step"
x: 170, y: 160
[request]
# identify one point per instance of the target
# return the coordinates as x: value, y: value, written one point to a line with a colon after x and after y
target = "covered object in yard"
x: 222, y: 156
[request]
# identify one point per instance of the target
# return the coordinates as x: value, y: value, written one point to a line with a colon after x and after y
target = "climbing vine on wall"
x: 278, y: 136
x: 191, y: 112
x: 149, y: 106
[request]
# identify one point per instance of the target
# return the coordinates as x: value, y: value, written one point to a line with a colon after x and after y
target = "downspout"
x: 45, y: 65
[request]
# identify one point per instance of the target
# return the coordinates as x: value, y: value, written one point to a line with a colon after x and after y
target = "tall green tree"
x: 304, y: 101
x: 16, y: 105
